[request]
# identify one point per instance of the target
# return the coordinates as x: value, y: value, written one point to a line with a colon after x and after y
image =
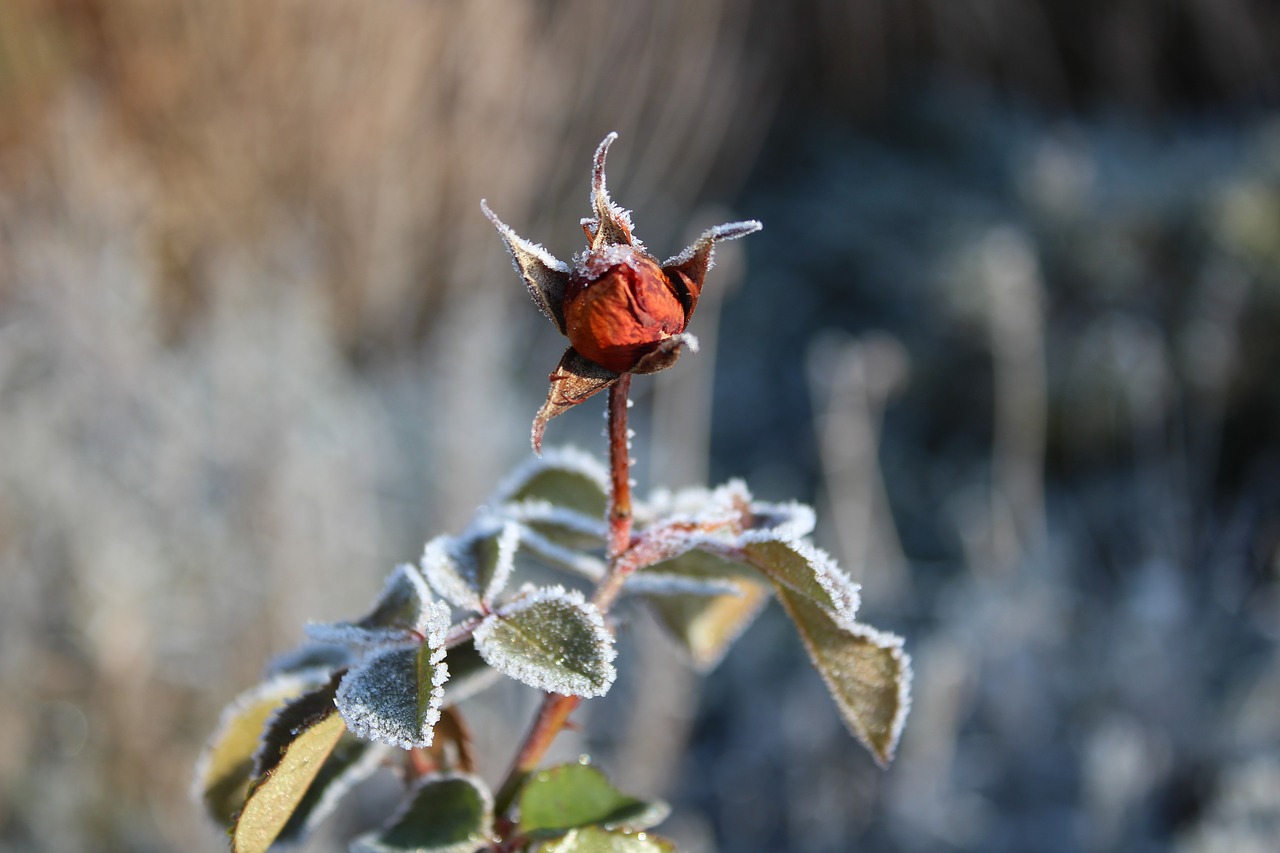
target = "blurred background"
x: 1012, y: 326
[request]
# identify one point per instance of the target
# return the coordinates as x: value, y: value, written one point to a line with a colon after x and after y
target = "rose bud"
x: 622, y: 311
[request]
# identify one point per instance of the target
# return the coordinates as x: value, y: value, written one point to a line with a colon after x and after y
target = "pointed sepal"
x: 545, y: 275
x: 665, y: 354
x: 574, y: 380
x: 611, y: 224
x: 688, y: 270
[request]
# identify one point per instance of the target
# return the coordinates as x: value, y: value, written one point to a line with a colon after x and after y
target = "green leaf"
x: 351, y: 761
x: 802, y: 568
x: 551, y: 639
x: 472, y: 569
x: 445, y: 813
x: 570, y: 796
x: 403, y: 608
x: 705, y: 626
x: 593, y: 839
x: 395, y: 696
x: 224, y: 771
x: 563, y: 477
x: 866, y: 671
x: 298, y: 742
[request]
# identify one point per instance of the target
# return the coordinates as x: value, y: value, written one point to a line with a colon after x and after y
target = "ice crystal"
x: 551, y: 639
x: 395, y: 696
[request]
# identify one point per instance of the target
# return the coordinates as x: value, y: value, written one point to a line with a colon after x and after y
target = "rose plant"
x: 385, y: 690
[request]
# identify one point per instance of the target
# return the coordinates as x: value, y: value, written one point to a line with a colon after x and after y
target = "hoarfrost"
x: 402, y: 606
x: 551, y: 639
x: 663, y: 583
x: 385, y: 700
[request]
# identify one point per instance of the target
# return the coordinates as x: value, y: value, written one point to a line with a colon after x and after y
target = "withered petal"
x: 687, y: 270
x: 612, y: 224
x: 573, y: 381
x: 544, y: 274
x: 666, y: 354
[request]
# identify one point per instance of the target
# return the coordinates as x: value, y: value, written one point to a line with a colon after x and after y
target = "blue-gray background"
x: 1011, y: 327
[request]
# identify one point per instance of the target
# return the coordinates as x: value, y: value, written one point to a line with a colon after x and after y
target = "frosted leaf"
x: 224, y: 770
x: 447, y: 577
x: 665, y: 354
x: 444, y: 813
x: 472, y: 569
x: 801, y: 567
x: 664, y: 583
x: 706, y: 626
x: 594, y: 839
x: 866, y: 671
x: 564, y: 477
x: 309, y: 656
x: 569, y: 796
x: 790, y: 520
x: 350, y: 763
x: 560, y: 524
x: 399, y: 611
x: 544, y: 275
x: 551, y: 639
x: 559, y: 556
x: 396, y: 695
x: 296, y: 746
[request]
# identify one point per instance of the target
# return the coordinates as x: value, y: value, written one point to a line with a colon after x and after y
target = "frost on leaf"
x: 468, y: 673
x: 564, y: 477
x: 310, y: 656
x: 866, y: 671
x: 687, y: 270
x: 575, y: 380
x: 809, y: 571
x: 396, y: 695
x: 550, y: 639
x: 297, y: 745
x: 403, y: 608
x: 445, y: 813
x: 593, y: 839
x: 224, y: 771
x: 570, y: 796
x: 352, y: 761
x: 706, y: 625
x: 472, y: 569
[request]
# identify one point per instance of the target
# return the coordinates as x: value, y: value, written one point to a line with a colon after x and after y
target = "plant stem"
x: 556, y: 709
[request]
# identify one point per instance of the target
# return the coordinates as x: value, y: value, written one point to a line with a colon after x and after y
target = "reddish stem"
x: 556, y: 709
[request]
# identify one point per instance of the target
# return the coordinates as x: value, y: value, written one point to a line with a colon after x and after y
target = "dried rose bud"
x: 622, y: 311
x: 620, y: 315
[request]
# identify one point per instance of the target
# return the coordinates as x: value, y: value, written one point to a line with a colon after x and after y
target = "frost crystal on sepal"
x: 396, y: 695
x: 551, y: 639
x: 403, y: 607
